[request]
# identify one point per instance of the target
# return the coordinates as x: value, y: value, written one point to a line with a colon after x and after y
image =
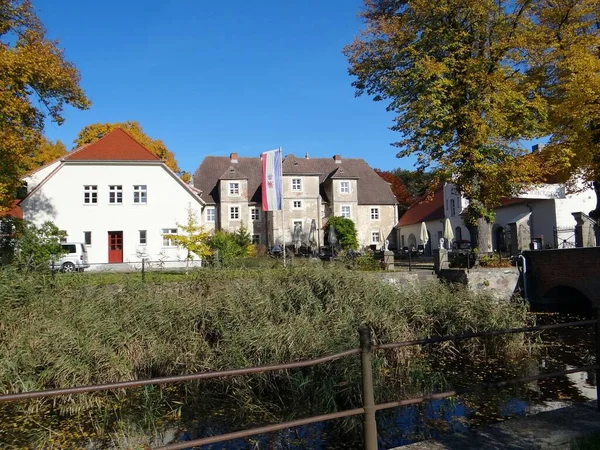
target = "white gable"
x: 60, y: 198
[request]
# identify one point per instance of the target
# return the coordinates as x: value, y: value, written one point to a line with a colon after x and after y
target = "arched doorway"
x: 412, y: 242
x: 458, y: 234
x: 499, y: 239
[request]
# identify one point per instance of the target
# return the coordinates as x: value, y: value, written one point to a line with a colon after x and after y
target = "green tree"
x: 454, y: 75
x: 38, y: 246
x: 345, y: 232
x: 194, y: 239
x: 95, y: 131
x: 11, y: 230
x: 36, y: 82
x: 229, y: 246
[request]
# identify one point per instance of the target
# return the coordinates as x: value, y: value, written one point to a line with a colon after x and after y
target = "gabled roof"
x: 233, y: 173
x: 424, y: 210
x: 341, y: 174
x: 372, y: 189
x: 117, y: 145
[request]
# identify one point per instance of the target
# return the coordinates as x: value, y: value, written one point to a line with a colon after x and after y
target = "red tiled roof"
x: 117, y: 145
x: 15, y: 212
x: 423, y: 210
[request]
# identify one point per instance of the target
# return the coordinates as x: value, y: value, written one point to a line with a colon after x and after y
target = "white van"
x: 76, y: 258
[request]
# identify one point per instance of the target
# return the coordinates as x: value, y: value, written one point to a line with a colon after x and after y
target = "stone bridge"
x: 563, y: 279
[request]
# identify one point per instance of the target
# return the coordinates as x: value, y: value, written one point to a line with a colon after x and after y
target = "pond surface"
x: 558, y: 350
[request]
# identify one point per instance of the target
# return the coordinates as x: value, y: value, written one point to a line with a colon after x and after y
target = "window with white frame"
x: 211, y: 214
x: 345, y: 187
x: 452, y: 208
x: 167, y: 240
x: 256, y: 239
x: 254, y: 214
x: 296, y: 184
x: 234, y: 189
x: 345, y: 212
x: 115, y: 194
x: 297, y: 204
x: 87, y: 237
x: 140, y: 194
x: 374, y: 213
x: 142, y: 237
x: 90, y: 194
x: 375, y: 237
x: 234, y: 213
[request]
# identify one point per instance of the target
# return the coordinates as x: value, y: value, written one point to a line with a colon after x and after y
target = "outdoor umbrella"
x: 448, y: 233
x: 312, y: 239
x: 424, y: 235
x: 332, y: 237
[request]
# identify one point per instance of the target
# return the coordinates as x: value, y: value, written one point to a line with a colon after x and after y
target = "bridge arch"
x: 565, y: 295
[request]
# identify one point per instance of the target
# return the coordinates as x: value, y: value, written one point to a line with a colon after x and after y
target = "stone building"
x: 313, y: 190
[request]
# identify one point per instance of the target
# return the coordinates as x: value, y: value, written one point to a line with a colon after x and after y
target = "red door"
x: 115, y: 246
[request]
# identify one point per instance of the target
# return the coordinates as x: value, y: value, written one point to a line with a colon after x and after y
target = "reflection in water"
x: 558, y: 350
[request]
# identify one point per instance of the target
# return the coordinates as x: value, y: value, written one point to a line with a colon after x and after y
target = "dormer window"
x: 234, y: 189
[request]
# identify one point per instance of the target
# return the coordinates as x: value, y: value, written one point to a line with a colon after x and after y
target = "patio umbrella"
x: 312, y: 238
x: 448, y: 233
x: 332, y: 236
x: 424, y: 235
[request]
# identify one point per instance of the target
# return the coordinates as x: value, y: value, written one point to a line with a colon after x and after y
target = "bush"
x: 345, y: 232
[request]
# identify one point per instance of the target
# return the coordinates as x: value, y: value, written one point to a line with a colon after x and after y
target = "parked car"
x: 76, y: 258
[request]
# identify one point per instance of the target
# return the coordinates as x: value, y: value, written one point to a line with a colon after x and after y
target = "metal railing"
x: 368, y: 409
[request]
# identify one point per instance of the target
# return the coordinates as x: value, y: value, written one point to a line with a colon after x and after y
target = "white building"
x: 115, y: 196
x: 542, y: 213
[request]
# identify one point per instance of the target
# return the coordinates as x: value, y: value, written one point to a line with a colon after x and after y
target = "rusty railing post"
x: 144, y: 270
x: 598, y: 358
x: 368, y: 397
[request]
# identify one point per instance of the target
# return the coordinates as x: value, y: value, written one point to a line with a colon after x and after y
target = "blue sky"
x: 211, y: 78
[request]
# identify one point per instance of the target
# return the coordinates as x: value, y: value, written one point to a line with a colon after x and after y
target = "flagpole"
x: 282, y: 203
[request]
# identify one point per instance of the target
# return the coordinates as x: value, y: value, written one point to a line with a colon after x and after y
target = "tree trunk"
x: 480, y: 236
x: 595, y: 213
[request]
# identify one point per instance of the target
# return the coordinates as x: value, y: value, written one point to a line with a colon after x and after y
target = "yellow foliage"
x: 36, y: 82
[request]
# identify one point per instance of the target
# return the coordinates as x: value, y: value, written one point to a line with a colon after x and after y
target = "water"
x: 558, y: 350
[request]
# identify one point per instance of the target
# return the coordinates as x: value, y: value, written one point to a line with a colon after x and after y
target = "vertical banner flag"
x: 271, y: 180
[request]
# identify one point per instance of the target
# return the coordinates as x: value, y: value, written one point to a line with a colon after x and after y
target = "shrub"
x: 345, y: 232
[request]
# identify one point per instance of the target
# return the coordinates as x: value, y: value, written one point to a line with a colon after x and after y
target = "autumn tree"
x: 95, y: 131
x: 45, y: 152
x: 404, y: 198
x: 453, y: 73
x: 565, y: 54
x: 193, y: 239
x: 36, y: 82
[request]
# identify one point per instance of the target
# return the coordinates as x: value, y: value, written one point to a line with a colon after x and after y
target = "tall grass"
x: 67, y: 331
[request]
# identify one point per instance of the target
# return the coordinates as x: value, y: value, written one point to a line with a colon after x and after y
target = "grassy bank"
x: 68, y: 331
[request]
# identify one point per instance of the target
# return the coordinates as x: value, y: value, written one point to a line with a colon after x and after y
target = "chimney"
x: 337, y: 159
x: 233, y: 158
x: 306, y: 156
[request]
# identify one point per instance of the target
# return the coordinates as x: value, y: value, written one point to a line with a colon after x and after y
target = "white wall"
x: 36, y: 177
x: 60, y: 200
